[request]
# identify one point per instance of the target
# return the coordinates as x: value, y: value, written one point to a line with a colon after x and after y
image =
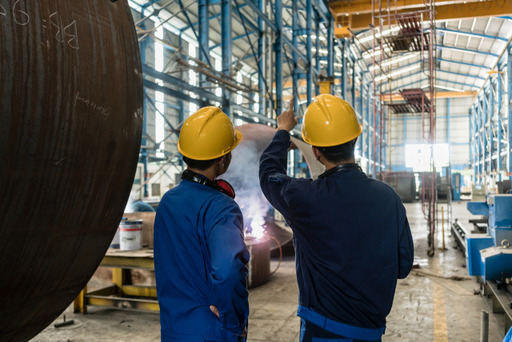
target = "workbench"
x: 120, y: 294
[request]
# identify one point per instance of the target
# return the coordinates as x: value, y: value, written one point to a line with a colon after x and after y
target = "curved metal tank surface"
x: 70, y: 128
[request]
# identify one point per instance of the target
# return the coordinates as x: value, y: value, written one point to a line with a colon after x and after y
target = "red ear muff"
x: 225, y: 187
x: 219, y: 184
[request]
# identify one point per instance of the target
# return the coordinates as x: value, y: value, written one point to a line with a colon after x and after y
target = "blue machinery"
x: 489, y: 255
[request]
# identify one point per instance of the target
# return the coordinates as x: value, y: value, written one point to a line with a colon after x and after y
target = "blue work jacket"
x: 200, y: 260
x: 351, y: 235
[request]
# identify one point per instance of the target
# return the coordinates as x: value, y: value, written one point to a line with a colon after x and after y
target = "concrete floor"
x: 428, y: 306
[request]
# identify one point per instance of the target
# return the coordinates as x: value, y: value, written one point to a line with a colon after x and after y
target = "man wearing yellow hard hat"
x: 200, y: 253
x: 351, y: 234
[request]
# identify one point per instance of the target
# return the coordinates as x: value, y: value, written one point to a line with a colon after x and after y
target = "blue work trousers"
x: 310, y: 332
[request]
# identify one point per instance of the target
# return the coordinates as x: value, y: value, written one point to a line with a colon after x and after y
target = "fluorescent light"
x: 397, y: 72
x: 392, y: 60
x: 377, y: 35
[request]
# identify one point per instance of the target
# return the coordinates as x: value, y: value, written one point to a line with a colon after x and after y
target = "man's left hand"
x: 215, y: 311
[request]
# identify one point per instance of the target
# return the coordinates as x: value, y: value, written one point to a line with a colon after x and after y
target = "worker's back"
x: 347, y: 230
x: 200, y: 259
x: 352, y: 239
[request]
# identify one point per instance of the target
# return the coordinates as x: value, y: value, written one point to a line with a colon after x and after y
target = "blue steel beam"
x: 461, y: 74
x: 178, y: 83
x: 245, y: 35
x: 204, y: 38
x: 262, y: 86
x: 174, y: 93
x: 295, y: 27
x: 439, y: 46
x: 322, y: 10
x: 293, y: 47
x: 247, y: 21
x: 317, y: 50
x: 509, y: 112
x: 227, y: 51
x: 500, y: 146
x: 278, y: 48
x: 472, y: 34
x: 261, y: 15
x: 462, y: 63
x: 330, y: 47
x: 404, y: 86
x: 193, y: 30
x: 344, y: 69
x: 490, y: 123
x: 309, y: 71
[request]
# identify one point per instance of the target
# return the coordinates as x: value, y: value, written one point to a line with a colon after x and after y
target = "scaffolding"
x: 397, y: 33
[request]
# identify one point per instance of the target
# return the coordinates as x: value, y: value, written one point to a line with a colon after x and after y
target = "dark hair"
x: 199, y: 164
x: 339, y: 153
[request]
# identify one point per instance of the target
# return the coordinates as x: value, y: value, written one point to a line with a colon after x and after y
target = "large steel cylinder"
x: 70, y: 128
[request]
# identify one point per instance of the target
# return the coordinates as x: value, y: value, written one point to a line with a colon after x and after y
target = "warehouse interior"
x: 430, y: 82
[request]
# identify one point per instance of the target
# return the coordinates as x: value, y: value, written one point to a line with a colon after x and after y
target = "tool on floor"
x: 64, y: 323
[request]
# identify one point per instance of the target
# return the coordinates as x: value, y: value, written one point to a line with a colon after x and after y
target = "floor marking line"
x: 440, y: 327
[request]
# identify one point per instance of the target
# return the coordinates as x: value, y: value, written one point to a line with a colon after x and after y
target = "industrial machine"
x: 456, y: 186
x: 489, y: 255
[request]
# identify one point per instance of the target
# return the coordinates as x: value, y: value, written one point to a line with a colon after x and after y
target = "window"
x: 417, y: 156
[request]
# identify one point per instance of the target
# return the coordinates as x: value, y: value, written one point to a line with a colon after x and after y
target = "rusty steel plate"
x: 70, y: 126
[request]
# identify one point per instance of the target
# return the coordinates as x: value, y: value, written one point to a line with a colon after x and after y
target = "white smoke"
x: 244, y: 177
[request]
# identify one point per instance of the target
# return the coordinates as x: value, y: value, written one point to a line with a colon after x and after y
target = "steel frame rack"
x: 410, y: 37
x: 490, y: 124
x: 269, y: 51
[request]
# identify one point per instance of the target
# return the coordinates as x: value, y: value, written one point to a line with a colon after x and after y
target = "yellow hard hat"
x: 208, y: 134
x: 330, y: 121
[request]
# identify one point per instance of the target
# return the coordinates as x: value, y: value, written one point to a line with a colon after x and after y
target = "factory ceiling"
x: 357, y: 14
x: 471, y: 38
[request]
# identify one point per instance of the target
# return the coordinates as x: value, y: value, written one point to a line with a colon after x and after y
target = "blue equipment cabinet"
x: 497, y: 263
x: 474, y: 244
x: 490, y: 255
x: 500, y: 219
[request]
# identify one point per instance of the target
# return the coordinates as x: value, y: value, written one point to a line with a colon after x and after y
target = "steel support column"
x: 509, y: 112
x: 344, y: 57
x: 204, y: 39
x: 317, y: 51
x: 278, y: 48
x: 330, y: 50
x: 261, y: 61
x: 500, y: 145
x: 226, y: 32
x: 295, y: 28
x: 368, y: 128
x: 309, y: 71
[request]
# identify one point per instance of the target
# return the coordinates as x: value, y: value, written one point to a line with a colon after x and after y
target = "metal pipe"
x: 226, y: 21
x: 278, y: 47
x: 484, y: 327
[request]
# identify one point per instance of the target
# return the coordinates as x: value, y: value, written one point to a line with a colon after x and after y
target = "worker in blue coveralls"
x: 351, y: 235
x: 199, y: 249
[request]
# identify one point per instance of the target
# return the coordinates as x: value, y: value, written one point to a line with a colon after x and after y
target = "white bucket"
x: 130, y: 235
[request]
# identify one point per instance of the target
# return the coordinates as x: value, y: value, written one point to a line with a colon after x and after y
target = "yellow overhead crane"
x: 357, y: 14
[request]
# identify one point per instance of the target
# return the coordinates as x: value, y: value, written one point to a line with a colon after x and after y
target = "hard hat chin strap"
x: 219, y: 184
